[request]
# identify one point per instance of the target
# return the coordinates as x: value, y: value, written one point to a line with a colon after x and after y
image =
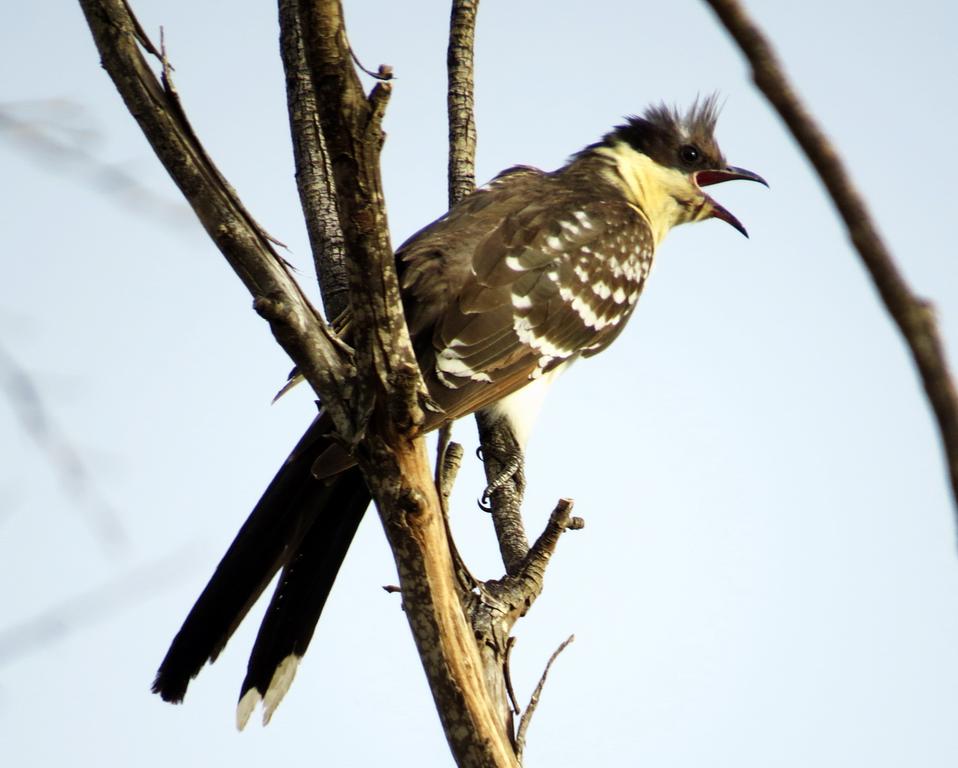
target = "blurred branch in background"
x: 114, y: 597
x: 78, y: 483
x: 914, y: 315
x: 54, y: 134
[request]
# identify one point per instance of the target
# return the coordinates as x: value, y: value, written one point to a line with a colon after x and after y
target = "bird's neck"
x: 663, y: 196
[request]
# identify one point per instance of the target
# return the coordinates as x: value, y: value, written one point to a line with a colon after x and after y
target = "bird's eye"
x: 690, y: 154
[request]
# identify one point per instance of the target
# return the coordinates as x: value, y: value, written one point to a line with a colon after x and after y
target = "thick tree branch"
x: 392, y: 454
x: 314, y: 174
x: 914, y: 316
x: 351, y: 126
x: 294, y: 322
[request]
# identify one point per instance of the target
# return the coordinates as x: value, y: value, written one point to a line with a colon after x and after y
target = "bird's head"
x: 663, y: 159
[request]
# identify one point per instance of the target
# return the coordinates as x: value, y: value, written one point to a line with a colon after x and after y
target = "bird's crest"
x: 662, y: 130
x: 697, y: 124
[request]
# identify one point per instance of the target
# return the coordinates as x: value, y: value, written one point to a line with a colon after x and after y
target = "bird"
x: 518, y: 280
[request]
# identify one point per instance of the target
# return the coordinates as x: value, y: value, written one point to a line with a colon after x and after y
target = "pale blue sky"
x: 768, y: 574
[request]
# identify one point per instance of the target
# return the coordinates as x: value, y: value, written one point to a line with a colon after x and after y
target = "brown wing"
x: 555, y: 276
x: 436, y: 261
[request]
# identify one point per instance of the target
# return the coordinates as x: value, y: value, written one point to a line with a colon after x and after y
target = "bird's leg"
x: 503, y: 462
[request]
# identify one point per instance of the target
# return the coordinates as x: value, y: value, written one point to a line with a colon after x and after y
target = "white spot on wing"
x: 554, y: 243
x: 444, y: 380
x: 449, y: 361
x: 583, y: 218
x: 541, y: 344
x: 521, y: 302
x: 586, y: 313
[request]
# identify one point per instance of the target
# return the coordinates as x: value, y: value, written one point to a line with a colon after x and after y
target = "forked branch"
x: 372, y: 389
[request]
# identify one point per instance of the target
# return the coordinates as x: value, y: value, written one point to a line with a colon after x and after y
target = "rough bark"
x: 314, y: 175
x: 460, y: 99
x: 392, y: 453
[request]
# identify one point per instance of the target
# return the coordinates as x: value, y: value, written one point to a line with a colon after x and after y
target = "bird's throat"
x: 661, y: 195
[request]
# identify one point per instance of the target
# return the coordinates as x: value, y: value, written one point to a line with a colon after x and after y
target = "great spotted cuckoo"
x: 527, y: 274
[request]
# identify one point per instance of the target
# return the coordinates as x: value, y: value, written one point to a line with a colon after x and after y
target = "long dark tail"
x: 302, y: 525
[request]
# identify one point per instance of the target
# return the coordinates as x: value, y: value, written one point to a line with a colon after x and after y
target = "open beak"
x: 707, y: 178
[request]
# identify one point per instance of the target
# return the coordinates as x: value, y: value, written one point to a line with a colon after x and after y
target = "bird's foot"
x: 511, y: 469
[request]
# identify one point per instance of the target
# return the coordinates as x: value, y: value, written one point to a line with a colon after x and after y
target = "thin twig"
x: 534, y: 699
x: 384, y: 72
x: 914, y: 316
x: 507, y: 673
x: 460, y: 99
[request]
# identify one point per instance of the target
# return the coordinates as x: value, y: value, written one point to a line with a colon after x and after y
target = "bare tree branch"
x: 374, y: 384
x: 294, y: 322
x: 526, y: 718
x: 352, y: 129
x: 460, y: 99
x: 914, y: 316
x: 314, y: 175
x: 392, y: 454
